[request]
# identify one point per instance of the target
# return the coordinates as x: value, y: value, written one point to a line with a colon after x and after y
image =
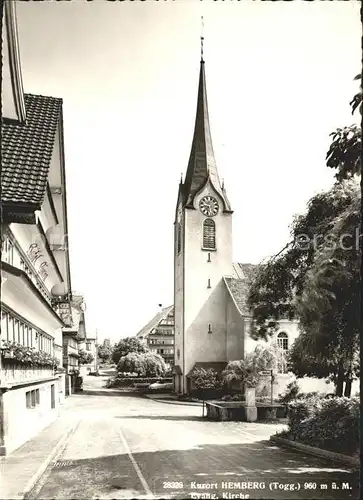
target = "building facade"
x: 158, y: 335
x: 90, y: 346
x: 212, y: 321
x: 35, y: 270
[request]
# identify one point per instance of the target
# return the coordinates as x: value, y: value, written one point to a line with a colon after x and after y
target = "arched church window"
x: 209, y: 234
x: 283, y: 341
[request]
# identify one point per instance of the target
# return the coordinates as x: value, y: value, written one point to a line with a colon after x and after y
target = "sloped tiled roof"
x: 155, y: 321
x: 27, y: 151
x: 238, y: 285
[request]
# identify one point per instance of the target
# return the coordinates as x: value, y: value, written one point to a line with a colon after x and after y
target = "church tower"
x: 202, y: 254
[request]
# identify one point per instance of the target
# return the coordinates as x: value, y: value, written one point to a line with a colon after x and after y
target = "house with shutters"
x: 158, y: 334
x: 35, y: 267
x: 72, y: 336
x: 76, y: 339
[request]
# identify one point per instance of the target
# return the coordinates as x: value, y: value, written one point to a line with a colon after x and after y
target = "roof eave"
x: 63, y: 173
x: 19, y: 212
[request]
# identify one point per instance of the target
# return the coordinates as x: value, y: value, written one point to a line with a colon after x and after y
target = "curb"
x: 187, y: 403
x: 168, y: 402
x: 317, y: 452
x: 58, y: 448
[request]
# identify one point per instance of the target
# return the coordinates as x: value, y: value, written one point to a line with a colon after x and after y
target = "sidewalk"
x: 21, y: 469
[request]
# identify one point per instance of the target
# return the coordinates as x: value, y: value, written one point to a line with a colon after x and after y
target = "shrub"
x: 205, y: 378
x: 291, y: 393
x: 126, y: 346
x: 328, y: 423
x: 109, y: 382
x: 123, y: 381
x: 238, y: 397
x: 85, y: 357
x: 248, y: 371
x: 300, y: 410
x: 263, y: 389
x: 263, y: 399
x: 144, y: 364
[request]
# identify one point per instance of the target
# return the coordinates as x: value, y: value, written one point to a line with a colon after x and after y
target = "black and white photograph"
x: 181, y: 249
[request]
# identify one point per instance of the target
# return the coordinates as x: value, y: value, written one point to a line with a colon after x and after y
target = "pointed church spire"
x: 202, y: 165
x: 202, y: 40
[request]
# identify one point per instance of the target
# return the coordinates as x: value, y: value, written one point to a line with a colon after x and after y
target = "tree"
x: 329, y: 307
x: 205, y: 379
x: 280, y: 280
x: 315, y: 278
x: 154, y: 365
x: 104, y: 352
x: 85, y: 358
x: 248, y: 370
x: 126, y: 346
x: 345, y: 151
x: 144, y: 364
x: 132, y: 363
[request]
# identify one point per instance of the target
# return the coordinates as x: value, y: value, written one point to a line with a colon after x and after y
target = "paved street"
x: 126, y: 446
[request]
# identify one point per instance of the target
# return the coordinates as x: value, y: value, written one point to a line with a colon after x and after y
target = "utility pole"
x: 96, y: 350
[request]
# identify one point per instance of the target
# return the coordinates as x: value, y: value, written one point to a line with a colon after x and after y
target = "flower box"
x: 28, y: 356
x: 8, y: 354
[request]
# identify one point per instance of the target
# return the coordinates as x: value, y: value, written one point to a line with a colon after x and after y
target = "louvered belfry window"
x: 209, y: 234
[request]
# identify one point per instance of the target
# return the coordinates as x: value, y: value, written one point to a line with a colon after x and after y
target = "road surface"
x: 127, y: 446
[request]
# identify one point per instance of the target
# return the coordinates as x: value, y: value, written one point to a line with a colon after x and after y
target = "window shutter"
x: 209, y: 234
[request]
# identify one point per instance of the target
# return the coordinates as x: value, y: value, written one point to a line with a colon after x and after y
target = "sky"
x: 279, y: 81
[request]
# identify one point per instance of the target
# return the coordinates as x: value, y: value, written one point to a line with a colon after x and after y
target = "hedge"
x: 328, y: 423
x: 131, y: 381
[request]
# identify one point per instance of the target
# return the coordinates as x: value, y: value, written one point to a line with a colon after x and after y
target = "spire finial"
x: 202, y: 39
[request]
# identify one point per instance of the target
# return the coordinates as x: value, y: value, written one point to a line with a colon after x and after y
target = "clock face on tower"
x: 208, y: 206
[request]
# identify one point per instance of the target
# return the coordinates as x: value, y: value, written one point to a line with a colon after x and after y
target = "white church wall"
x: 235, y: 331
x: 204, y: 292
x: 197, y: 268
x: 201, y: 345
x: 178, y: 307
x: 291, y: 328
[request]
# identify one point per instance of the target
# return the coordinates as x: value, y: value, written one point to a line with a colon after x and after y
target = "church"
x: 212, y: 320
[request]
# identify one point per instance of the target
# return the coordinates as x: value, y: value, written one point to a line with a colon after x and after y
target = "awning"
x: 218, y: 366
